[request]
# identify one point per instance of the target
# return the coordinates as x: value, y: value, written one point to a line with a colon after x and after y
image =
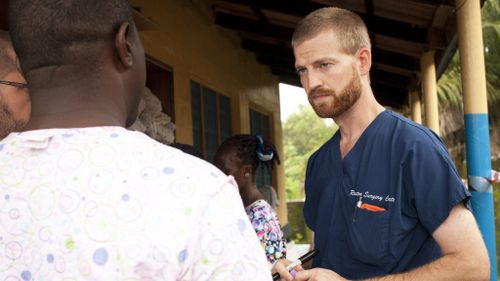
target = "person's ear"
x: 247, y: 171
x: 123, y: 46
x: 365, y: 61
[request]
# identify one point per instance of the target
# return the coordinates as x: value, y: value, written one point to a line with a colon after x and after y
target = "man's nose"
x: 313, y: 80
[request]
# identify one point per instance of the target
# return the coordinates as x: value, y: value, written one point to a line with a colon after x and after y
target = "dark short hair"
x: 47, y: 32
x: 248, y: 148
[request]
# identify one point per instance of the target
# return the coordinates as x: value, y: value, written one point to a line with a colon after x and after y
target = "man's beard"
x: 7, y: 123
x: 341, y: 102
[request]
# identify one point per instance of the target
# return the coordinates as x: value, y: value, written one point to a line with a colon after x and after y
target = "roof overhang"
x: 401, y: 32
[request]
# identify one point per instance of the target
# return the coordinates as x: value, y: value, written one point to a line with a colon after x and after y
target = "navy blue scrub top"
x: 397, y: 165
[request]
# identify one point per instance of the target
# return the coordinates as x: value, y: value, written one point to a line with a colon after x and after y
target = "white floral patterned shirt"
x: 109, y: 204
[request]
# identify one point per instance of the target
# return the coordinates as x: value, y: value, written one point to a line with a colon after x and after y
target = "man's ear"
x: 365, y: 61
x: 122, y: 45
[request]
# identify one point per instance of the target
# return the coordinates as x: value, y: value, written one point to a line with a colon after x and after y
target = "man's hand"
x: 318, y: 274
x: 280, y: 267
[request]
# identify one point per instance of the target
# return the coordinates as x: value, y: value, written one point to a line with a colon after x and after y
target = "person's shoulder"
x: 260, y: 209
x: 411, y: 131
x: 171, y: 162
x: 260, y: 204
x: 324, y: 148
x: 413, y: 136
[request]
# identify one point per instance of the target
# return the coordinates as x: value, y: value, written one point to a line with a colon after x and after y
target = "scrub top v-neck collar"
x: 351, y: 156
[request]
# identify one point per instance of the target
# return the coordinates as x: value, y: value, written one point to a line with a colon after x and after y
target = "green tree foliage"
x: 303, y: 133
x: 449, y: 85
x: 491, y: 35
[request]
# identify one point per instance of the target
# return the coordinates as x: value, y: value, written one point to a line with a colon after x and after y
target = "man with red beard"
x: 383, y: 197
x: 15, y: 104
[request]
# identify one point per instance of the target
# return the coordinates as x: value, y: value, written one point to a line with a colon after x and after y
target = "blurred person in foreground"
x: 15, y: 103
x: 383, y: 197
x: 84, y: 198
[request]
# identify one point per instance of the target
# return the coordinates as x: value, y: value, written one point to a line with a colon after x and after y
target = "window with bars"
x: 211, y: 114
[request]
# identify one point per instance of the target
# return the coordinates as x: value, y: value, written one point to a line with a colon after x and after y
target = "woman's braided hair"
x: 252, y: 150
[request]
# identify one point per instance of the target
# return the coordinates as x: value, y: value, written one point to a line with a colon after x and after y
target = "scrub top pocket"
x: 369, y: 236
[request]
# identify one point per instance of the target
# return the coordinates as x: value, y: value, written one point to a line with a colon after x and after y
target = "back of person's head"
x: 80, y: 54
x: 250, y: 150
x: 348, y: 26
x: 58, y: 32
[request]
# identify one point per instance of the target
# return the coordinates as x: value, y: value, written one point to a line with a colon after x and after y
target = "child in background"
x: 240, y: 156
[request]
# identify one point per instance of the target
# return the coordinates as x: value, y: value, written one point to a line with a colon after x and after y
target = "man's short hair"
x: 348, y: 26
x: 7, y: 62
x: 50, y: 32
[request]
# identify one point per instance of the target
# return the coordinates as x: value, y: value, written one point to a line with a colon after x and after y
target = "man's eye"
x: 325, y: 65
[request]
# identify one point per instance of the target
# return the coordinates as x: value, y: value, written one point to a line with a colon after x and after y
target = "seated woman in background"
x: 240, y: 156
